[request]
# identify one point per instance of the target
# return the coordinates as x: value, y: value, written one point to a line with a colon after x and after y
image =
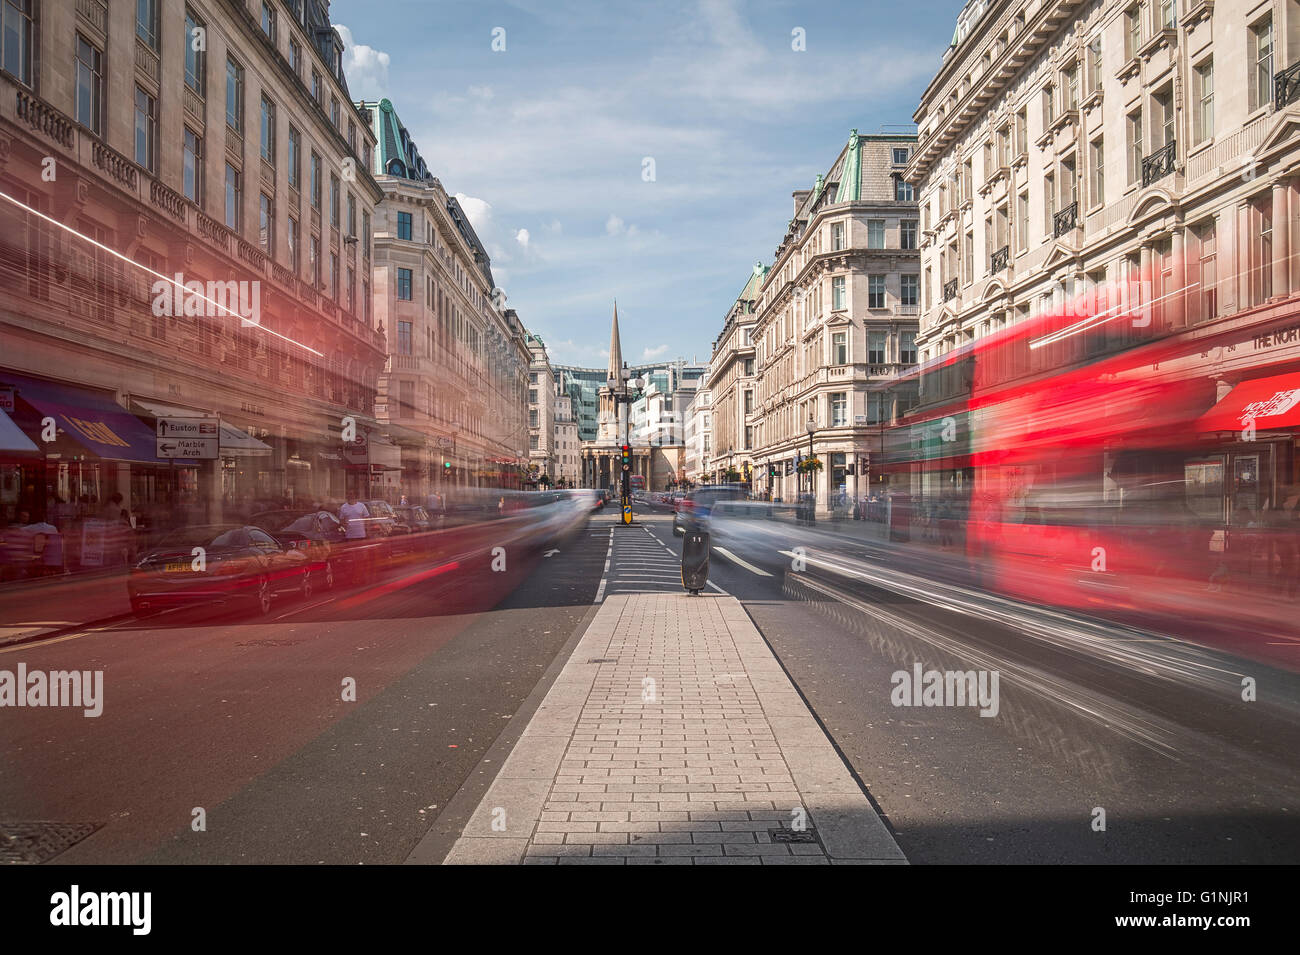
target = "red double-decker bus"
x: 1109, y: 457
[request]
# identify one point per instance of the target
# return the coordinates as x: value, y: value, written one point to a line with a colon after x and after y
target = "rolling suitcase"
x: 695, y: 560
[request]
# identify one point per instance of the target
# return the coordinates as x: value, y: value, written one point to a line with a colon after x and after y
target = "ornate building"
x: 732, y: 386
x: 453, y: 395
x: 835, y: 319
x: 179, y: 234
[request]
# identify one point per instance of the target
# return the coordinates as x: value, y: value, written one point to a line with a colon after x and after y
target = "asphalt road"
x: 247, y: 721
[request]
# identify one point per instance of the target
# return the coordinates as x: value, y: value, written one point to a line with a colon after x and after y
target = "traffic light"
x: 772, y: 471
x: 627, y: 457
x: 446, y: 465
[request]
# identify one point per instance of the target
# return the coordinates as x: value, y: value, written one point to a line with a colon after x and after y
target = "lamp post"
x: 811, y: 427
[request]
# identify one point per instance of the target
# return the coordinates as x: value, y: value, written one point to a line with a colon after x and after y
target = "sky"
x: 638, y: 151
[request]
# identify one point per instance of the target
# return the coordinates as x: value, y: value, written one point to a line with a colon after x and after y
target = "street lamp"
x: 811, y: 427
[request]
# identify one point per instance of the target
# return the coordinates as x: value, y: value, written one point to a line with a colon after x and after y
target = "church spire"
x: 615, y: 351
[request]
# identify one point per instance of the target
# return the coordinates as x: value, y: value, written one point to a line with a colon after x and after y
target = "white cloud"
x: 365, y: 67
x: 481, y: 92
x: 479, y: 212
x: 522, y: 237
x: 614, y: 225
x: 654, y: 352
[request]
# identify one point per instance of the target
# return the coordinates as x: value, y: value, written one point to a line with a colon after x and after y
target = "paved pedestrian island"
x: 673, y: 736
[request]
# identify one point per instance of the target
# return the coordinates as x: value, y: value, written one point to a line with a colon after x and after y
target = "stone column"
x: 1177, y: 306
x: 1145, y: 285
x: 1243, y: 263
x: 1281, y: 241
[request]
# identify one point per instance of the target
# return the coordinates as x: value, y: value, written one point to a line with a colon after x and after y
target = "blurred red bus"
x: 1108, y: 456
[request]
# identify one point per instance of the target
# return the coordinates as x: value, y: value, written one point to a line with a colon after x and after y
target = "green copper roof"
x: 851, y: 174
x: 818, y: 186
x: 395, y: 153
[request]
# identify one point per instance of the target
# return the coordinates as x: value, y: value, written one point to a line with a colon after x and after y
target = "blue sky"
x: 545, y: 141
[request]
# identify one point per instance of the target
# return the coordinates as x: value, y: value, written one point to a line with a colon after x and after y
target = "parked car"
x: 417, y: 518
x: 319, y: 535
x: 693, y: 509
x: 218, y: 563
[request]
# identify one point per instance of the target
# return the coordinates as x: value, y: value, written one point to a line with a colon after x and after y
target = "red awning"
x: 1271, y: 402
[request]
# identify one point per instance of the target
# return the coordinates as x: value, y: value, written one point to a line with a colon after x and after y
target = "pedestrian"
x: 353, y: 514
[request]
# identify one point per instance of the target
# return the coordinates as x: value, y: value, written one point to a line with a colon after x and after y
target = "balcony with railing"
x: 998, y: 260
x: 1066, y: 219
x: 1159, y: 164
x: 169, y: 200
x: 115, y: 164
x: 44, y: 118
x: 949, y: 290
x: 1286, y: 86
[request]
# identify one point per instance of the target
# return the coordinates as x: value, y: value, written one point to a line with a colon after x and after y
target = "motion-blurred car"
x: 320, y: 536
x: 417, y: 518
x: 693, y: 509
x: 218, y: 563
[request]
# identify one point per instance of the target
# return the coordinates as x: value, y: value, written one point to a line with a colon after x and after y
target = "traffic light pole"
x: 626, y: 448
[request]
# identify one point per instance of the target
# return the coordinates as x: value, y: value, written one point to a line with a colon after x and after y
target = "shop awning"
x: 12, y: 439
x: 90, y: 419
x: 234, y: 442
x: 1271, y: 402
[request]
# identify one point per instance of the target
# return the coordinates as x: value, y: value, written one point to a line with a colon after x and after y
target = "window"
x: 404, y: 338
x: 146, y: 130
x: 295, y: 158
x: 268, y: 20
x: 900, y: 155
x: 16, y: 49
x: 317, y: 91
x: 1070, y: 87
x: 1098, y: 186
x: 313, y: 260
x: 406, y: 399
x: 315, y: 180
x: 1069, y: 182
x: 234, y: 198
x: 334, y: 277
x: 902, y: 190
x: 404, y: 284
x: 352, y: 214
x: 1022, y: 222
x: 90, y: 86
x: 837, y: 236
x: 1132, y: 31
x: 749, y: 367
x: 1049, y: 106
x: 334, y: 200
x: 365, y: 234
x: 1167, y: 15
x: 840, y: 348
x: 291, y: 241
x: 748, y: 403
x: 875, y: 291
x: 907, y: 291
x: 907, y: 234
x: 1204, y: 93
x: 875, y: 233
x: 1207, y: 280
x: 876, y: 348
x: 404, y: 225
x: 1094, y: 64
x: 1049, y: 205
x: 837, y: 293
x: 266, y: 223
x: 839, y: 409
x: 268, y: 130
x: 1262, y: 266
x: 192, y: 167
x: 1022, y: 132
x: 235, y: 96
x: 1134, y: 132
x: 970, y: 257
x: 1261, y: 63
x: 532, y: 396
x: 1162, y: 120
x: 334, y: 111
x: 907, y: 348
x: 295, y: 57
x: 146, y: 22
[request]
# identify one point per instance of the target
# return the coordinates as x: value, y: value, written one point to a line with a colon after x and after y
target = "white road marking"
x: 743, y: 563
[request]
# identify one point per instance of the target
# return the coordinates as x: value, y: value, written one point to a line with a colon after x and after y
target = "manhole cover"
x: 793, y: 835
x: 31, y: 843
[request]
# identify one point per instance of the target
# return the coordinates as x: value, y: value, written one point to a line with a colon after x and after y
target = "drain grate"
x: 31, y: 843
x: 793, y: 835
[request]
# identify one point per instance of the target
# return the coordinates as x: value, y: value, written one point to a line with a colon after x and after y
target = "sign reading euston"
x: 196, y: 439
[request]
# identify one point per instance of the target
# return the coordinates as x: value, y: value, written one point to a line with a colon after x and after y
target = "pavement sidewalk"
x: 673, y: 736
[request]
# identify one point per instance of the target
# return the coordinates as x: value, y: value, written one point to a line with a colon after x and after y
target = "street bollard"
x: 695, y: 560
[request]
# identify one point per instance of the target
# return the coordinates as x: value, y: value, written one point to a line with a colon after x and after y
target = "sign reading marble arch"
x: 194, y: 439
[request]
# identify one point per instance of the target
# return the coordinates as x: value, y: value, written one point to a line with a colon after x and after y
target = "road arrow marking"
x: 552, y: 552
x: 743, y: 563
